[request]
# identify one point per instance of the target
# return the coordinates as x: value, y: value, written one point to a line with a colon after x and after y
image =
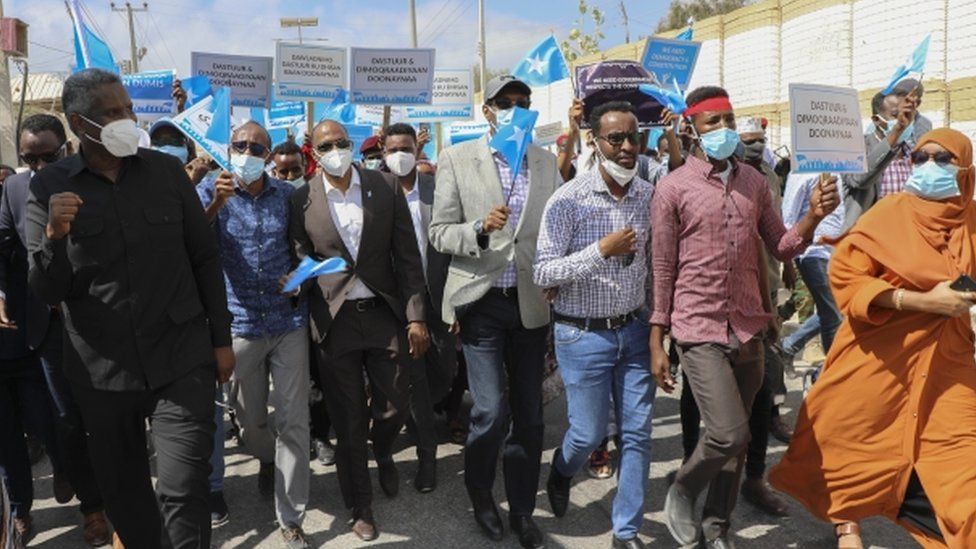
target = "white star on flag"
x: 518, y: 136
x: 537, y: 64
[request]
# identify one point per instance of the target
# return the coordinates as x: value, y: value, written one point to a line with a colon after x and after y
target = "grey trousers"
x: 283, y: 439
x: 724, y: 379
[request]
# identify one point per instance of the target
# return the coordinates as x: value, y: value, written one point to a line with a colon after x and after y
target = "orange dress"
x: 898, y: 390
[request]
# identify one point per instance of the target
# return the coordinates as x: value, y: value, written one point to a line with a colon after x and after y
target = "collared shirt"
x: 705, y: 254
x: 419, y: 231
x: 577, y: 216
x: 252, y: 232
x: 895, y: 176
x: 796, y: 204
x: 515, y: 190
x: 347, y: 214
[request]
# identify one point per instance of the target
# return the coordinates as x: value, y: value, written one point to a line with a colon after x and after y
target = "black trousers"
x: 181, y: 416
x: 359, y: 340
x: 431, y: 378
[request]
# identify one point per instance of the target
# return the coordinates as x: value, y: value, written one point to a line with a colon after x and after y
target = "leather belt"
x: 363, y: 305
x: 605, y: 323
x: 504, y: 292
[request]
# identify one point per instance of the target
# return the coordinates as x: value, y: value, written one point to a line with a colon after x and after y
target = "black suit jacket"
x: 388, y: 264
x: 13, y: 260
x: 437, y: 263
x: 139, y: 274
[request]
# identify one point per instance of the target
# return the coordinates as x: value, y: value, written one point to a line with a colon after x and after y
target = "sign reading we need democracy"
x: 825, y: 130
x: 249, y: 78
x: 310, y: 72
x: 453, y: 98
x: 391, y: 76
x: 671, y: 60
x: 151, y: 93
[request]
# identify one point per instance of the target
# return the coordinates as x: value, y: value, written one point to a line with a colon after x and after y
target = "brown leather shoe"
x: 96, y: 530
x: 759, y: 493
x: 848, y: 535
x: 363, y: 524
x: 116, y: 542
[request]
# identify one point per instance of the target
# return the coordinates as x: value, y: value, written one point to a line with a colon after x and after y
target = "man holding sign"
x: 707, y: 293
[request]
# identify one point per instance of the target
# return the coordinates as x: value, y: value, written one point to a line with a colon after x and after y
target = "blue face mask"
x: 905, y: 135
x: 933, y: 181
x: 719, y: 144
x: 178, y: 152
x: 248, y: 168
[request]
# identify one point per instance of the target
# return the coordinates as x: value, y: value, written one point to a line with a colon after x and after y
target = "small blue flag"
x: 686, y: 34
x: 513, y: 135
x: 196, y: 88
x: 340, y: 109
x: 310, y: 268
x: 913, y: 65
x: 91, y: 52
x: 543, y: 65
x: 219, y: 130
x: 673, y: 100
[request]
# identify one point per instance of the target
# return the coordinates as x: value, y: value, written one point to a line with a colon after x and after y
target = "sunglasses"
x: 942, y: 158
x: 256, y: 149
x: 617, y: 139
x: 505, y: 103
x: 47, y: 158
x: 329, y: 145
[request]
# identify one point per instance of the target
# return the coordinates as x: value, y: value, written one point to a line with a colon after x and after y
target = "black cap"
x: 906, y: 86
x: 499, y: 83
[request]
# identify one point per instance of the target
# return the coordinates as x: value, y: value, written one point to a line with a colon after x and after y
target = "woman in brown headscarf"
x: 890, y: 427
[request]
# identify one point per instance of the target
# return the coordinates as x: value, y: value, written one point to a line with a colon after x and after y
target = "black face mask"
x: 753, y: 152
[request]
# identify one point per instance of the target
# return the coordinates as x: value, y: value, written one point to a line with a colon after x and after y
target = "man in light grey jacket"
x: 487, y: 218
x: 896, y: 126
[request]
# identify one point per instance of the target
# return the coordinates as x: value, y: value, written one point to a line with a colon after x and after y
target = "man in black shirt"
x: 117, y: 236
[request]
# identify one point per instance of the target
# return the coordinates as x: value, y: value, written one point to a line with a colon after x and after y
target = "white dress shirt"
x: 413, y: 201
x: 347, y: 214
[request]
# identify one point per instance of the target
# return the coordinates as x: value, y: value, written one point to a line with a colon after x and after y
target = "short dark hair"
x: 286, y: 148
x: 877, y: 103
x: 267, y: 135
x: 10, y: 169
x: 401, y: 129
x: 77, y: 96
x: 612, y: 106
x: 702, y: 93
x: 37, y: 123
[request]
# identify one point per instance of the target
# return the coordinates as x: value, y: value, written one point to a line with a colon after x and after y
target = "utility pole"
x: 481, y: 45
x: 623, y: 13
x: 413, y: 22
x: 133, y: 50
x: 8, y: 151
x: 303, y: 22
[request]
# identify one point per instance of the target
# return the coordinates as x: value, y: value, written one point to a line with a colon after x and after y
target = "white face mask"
x: 401, y: 163
x: 119, y: 137
x: 248, y: 168
x: 336, y: 162
x: 620, y: 174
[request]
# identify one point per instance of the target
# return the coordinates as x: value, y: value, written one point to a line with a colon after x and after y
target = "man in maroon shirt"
x: 705, y: 216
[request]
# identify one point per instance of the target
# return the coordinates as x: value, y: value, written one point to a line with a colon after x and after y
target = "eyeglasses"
x: 942, y: 158
x: 47, y: 158
x: 256, y: 149
x: 504, y: 103
x: 617, y: 139
x: 329, y: 145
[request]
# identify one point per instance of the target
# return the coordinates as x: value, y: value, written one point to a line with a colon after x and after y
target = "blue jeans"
x: 794, y: 343
x: 594, y: 365
x: 813, y: 270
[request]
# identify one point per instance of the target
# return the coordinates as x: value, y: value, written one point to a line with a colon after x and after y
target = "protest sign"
x: 825, y: 130
x: 466, y: 131
x: 392, y: 76
x: 453, y: 98
x: 195, y: 122
x: 285, y: 114
x: 357, y: 134
x: 249, y: 78
x: 151, y: 93
x: 547, y: 134
x: 309, y: 72
x: 372, y: 115
x: 671, y: 60
x: 618, y: 80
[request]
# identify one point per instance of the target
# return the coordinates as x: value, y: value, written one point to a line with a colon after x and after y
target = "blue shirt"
x: 796, y: 203
x: 252, y: 233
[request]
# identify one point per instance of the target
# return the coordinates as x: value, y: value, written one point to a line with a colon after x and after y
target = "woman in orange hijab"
x: 890, y: 427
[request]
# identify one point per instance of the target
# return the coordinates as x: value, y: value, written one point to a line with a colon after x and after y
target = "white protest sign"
x: 249, y: 78
x: 194, y: 122
x: 372, y: 115
x: 391, y: 76
x: 825, y: 129
x: 309, y: 72
x: 453, y: 98
x: 547, y: 134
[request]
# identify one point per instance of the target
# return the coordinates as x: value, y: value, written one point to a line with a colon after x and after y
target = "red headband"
x: 710, y: 104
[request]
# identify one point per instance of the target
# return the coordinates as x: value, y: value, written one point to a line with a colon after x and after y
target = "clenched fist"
x: 62, y: 209
x: 622, y: 242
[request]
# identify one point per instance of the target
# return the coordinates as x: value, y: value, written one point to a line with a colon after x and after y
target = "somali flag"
x: 543, y: 65
x: 91, y: 52
x: 914, y: 65
x: 513, y: 135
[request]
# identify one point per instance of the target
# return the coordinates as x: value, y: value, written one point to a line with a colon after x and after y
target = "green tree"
x: 681, y: 10
x: 585, y: 35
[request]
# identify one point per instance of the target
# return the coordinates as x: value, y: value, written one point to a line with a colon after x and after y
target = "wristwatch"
x: 478, y: 226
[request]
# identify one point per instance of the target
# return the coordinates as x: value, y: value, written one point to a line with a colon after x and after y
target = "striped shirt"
x: 705, y: 252
x: 577, y: 216
x: 515, y: 193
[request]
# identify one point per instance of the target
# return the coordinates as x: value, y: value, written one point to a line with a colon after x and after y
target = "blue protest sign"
x: 671, y: 60
x: 466, y: 131
x: 357, y: 134
x: 310, y: 268
x: 285, y: 114
x: 151, y: 93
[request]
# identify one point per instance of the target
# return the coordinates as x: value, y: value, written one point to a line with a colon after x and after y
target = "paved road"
x: 442, y: 519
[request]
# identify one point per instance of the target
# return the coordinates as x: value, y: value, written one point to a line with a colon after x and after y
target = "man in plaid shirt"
x: 593, y: 246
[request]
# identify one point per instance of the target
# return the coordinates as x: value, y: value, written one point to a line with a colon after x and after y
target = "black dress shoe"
x: 389, y: 476
x: 486, y: 514
x: 557, y: 487
x: 529, y: 535
x: 632, y: 543
x: 426, y: 479
x: 324, y: 452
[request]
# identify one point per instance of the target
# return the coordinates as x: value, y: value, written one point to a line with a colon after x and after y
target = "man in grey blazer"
x: 487, y: 218
x: 896, y: 126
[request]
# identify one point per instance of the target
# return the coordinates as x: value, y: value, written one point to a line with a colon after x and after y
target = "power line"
x: 430, y: 22
x: 52, y: 48
x: 446, y: 25
x: 159, y: 33
x: 433, y: 29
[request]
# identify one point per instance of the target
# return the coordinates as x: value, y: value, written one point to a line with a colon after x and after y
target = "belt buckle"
x: 507, y: 292
x: 362, y: 305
